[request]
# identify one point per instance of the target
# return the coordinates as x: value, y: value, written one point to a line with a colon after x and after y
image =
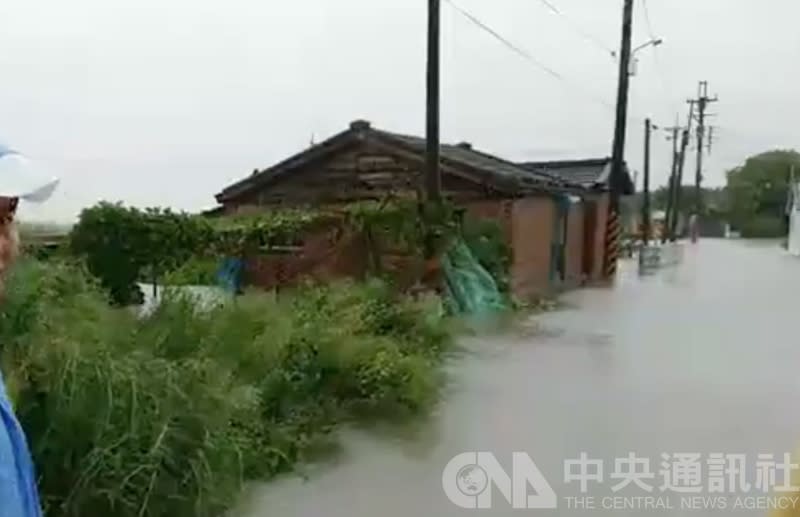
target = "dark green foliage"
x: 124, y: 245
x: 758, y: 192
x: 238, y: 235
x: 171, y: 413
x: 762, y: 227
x: 195, y: 271
x: 422, y: 230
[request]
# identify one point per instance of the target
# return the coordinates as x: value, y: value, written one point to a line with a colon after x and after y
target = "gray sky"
x: 164, y: 102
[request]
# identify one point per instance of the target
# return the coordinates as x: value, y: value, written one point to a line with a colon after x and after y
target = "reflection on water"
x: 698, y: 359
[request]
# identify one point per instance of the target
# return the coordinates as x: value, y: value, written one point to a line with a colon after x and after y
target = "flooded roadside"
x: 699, y: 359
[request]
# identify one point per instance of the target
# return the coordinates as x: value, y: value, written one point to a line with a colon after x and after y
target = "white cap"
x: 22, y: 178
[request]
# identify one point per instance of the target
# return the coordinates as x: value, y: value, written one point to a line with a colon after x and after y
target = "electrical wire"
x: 520, y: 51
x: 647, y: 21
x: 524, y: 53
x: 665, y: 89
x: 579, y: 30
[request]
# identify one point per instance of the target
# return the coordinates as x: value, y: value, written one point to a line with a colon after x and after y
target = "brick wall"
x: 574, y: 248
x: 532, y: 236
x: 528, y: 223
x: 324, y: 256
x: 499, y: 210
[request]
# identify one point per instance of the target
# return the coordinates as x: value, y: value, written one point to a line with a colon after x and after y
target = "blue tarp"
x: 229, y: 275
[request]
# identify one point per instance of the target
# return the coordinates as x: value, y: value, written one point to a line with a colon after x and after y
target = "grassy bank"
x: 171, y: 414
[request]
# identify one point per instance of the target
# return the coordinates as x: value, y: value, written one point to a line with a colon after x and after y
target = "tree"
x: 125, y: 245
x: 758, y: 190
x: 715, y: 200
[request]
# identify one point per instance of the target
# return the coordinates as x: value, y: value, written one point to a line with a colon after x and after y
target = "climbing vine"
x: 125, y: 245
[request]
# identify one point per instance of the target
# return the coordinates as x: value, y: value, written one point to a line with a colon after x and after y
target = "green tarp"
x: 470, y: 289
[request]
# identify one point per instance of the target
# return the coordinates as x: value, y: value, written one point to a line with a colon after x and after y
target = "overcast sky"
x: 164, y: 102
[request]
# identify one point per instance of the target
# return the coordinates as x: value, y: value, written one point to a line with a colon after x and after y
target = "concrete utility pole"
x: 646, y: 187
x: 671, y: 186
x: 676, y: 209
x: 433, y: 178
x: 618, y: 153
x: 703, y: 100
x: 613, y: 228
x: 676, y: 200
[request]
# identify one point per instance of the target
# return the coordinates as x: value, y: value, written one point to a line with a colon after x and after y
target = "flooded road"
x: 700, y: 359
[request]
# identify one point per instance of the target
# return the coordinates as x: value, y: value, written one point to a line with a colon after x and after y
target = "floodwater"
x: 702, y: 358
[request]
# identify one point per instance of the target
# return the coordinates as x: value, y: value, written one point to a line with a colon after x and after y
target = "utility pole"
x: 703, y: 100
x: 675, y: 130
x: 676, y: 202
x: 676, y: 210
x: 433, y: 179
x: 646, y: 186
x: 613, y: 229
x: 618, y: 153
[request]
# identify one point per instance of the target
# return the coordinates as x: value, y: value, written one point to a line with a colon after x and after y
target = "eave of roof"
x: 504, y: 175
x: 576, y: 170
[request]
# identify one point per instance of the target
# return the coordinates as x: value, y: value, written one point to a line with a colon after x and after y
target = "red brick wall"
x: 527, y: 222
x: 323, y: 256
x: 575, y: 238
x: 499, y: 210
x: 532, y: 236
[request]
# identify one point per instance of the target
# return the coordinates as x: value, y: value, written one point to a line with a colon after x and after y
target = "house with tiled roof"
x: 541, y: 212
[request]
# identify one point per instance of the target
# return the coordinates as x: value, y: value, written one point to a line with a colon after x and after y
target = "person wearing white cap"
x: 19, y: 180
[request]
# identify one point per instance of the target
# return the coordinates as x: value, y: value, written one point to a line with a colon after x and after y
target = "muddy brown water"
x: 702, y: 358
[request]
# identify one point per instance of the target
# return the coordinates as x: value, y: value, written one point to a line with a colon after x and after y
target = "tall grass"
x: 171, y: 413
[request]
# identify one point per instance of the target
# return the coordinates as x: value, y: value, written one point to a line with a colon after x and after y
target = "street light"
x: 634, y: 61
x: 652, y: 42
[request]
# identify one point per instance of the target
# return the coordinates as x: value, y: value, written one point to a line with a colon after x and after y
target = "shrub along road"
x: 171, y: 413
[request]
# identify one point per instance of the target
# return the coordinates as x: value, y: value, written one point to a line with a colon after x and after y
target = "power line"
x: 578, y: 29
x: 523, y: 53
x: 550, y: 6
x: 647, y: 20
x: 665, y: 90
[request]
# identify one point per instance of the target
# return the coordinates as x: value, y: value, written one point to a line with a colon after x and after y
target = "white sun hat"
x: 23, y: 178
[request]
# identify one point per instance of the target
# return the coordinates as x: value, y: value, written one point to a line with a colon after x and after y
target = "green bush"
x: 169, y: 414
x: 195, y: 271
x: 125, y: 245
x: 763, y: 227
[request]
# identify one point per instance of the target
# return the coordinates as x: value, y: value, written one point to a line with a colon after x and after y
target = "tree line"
x: 754, y: 199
